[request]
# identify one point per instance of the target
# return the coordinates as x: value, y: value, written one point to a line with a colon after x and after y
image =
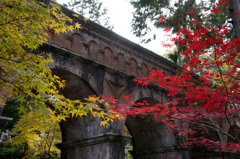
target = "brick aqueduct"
x: 97, y: 61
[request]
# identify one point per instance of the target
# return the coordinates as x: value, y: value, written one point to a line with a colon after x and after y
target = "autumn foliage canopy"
x: 204, y: 97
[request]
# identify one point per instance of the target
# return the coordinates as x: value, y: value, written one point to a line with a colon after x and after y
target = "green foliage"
x: 93, y: 9
x: 48, y: 155
x: 12, y: 152
x: 127, y: 153
x: 176, y: 15
x: 146, y: 12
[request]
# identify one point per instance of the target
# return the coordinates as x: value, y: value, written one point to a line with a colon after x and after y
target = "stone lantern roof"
x: 4, y: 121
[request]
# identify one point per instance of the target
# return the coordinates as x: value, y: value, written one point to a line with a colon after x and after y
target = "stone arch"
x: 93, y: 50
x: 133, y: 66
x: 76, y: 130
x: 144, y: 70
x: 212, y: 135
x: 77, y: 43
x: 121, y: 61
x: 108, y: 56
x: 76, y: 87
x: 149, y: 137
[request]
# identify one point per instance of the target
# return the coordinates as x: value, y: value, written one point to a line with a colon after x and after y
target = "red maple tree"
x: 205, y: 96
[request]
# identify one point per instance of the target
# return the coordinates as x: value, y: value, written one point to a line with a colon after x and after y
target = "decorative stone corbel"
x: 85, y: 44
x: 68, y: 37
x: 101, y: 51
x: 115, y: 57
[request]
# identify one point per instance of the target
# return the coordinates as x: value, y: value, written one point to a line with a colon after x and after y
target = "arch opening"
x: 76, y: 88
x: 148, y: 135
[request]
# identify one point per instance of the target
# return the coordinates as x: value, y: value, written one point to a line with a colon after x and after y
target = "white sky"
x: 120, y: 13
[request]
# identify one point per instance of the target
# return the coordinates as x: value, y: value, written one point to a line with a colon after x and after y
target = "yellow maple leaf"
x: 77, y: 25
x: 86, y: 19
x: 75, y: 15
x: 70, y: 28
x: 103, y: 123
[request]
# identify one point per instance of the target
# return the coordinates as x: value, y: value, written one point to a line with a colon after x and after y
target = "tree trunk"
x: 235, y: 7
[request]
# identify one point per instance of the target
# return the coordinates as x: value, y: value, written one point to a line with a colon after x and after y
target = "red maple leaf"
x: 238, y: 13
x: 216, y: 10
x: 167, y: 29
x: 126, y: 97
x: 190, y: 96
x: 190, y: 12
x: 166, y: 45
x: 222, y: 3
x: 194, y: 21
x: 145, y: 83
x: 161, y: 18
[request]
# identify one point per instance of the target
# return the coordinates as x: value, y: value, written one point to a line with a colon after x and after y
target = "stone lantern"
x: 4, y: 133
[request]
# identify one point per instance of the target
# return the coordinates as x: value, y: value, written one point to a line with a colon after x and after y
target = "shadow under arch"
x: 76, y: 87
x: 84, y: 137
x: 149, y: 137
x: 234, y: 131
x: 75, y: 130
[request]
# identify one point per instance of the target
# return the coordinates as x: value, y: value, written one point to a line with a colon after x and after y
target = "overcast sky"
x: 120, y: 13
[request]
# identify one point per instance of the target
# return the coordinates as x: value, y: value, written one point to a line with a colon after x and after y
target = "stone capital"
x: 104, y: 138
